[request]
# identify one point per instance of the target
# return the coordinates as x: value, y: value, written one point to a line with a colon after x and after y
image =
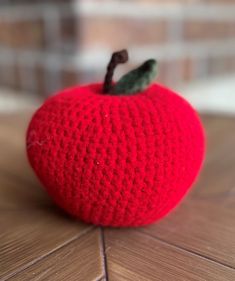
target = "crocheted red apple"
x: 117, y: 154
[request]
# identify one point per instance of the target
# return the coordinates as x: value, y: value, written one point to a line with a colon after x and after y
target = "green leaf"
x: 136, y: 80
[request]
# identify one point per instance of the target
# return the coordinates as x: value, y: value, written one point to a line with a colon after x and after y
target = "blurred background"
x: 46, y: 45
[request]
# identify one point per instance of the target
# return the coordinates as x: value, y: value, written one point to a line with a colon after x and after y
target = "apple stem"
x: 117, y: 58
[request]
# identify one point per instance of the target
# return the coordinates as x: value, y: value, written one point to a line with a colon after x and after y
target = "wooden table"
x: 195, y: 242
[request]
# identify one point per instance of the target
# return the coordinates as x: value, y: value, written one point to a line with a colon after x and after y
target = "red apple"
x: 119, y: 154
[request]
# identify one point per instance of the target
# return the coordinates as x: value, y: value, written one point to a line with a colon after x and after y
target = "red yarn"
x: 116, y: 160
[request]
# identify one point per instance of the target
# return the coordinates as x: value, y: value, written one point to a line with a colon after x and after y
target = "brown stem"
x: 117, y: 58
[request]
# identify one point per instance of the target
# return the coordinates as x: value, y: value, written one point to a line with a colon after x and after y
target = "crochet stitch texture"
x: 116, y: 160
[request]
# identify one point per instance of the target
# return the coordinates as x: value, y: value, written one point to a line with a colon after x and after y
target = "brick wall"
x: 191, y: 39
x: 47, y: 45
x: 38, y: 45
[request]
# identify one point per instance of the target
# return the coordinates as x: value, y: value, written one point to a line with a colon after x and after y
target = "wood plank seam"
x: 101, y: 279
x: 35, y: 261
x: 106, y: 277
x: 186, y: 250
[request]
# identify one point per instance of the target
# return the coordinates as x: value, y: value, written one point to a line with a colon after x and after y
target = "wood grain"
x: 28, y: 236
x: 202, y: 228
x: 78, y: 261
x: 135, y: 256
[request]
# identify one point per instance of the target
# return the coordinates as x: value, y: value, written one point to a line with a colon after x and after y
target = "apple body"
x: 116, y: 160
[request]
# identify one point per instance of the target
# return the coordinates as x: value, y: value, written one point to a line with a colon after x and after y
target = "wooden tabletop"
x: 40, y: 242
